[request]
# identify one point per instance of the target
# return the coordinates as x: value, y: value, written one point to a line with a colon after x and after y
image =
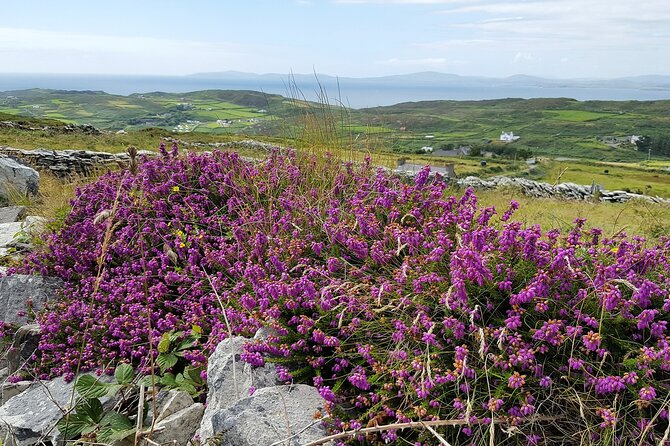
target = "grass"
x: 618, y: 177
x: 575, y: 115
x: 634, y: 217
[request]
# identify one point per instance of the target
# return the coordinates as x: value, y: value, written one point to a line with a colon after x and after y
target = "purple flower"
x: 516, y: 380
x: 647, y: 393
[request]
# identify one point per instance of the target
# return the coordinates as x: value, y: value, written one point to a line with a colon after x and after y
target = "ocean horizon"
x: 355, y: 93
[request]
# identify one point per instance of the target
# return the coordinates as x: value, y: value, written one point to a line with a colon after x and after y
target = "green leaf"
x: 188, y: 387
x: 91, y: 408
x: 186, y: 384
x: 124, y: 373
x: 116, y: 421
x: 89, y: 387
x: 73, y: 424
x: 115, y: 426
x: 166, y: 361
x: 196, y: 330
x: 186, y: 344
x: 120, y: 435
x: 168, y: 380
x: 194, y: 374
x: 164, y: 344
x: 148, y: 381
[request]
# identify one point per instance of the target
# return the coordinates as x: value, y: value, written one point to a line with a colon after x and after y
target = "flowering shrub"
x: 397, y: 301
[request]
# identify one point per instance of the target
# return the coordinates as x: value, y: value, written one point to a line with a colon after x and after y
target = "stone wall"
x: 63, y: 163
x: 567, y: 191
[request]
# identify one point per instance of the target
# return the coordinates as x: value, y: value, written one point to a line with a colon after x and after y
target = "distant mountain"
x: 437, y: 79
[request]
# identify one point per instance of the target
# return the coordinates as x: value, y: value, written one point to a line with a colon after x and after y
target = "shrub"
x: 397, y: 301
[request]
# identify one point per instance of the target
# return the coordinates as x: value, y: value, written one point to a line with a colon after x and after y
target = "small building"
x: 427, y: 149
x: 508, y: 137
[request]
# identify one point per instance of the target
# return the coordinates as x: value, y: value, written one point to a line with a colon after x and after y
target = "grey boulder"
x: 31, y: 416
x: 280, y: 416
x: 20, y: 292
x: 17, y: 178
x: 11, y: 214
x: 178, y: 428
x: 168, y: 402
x: 229, y: 379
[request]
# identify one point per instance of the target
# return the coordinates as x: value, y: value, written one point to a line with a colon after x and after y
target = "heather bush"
x: 397, y: 301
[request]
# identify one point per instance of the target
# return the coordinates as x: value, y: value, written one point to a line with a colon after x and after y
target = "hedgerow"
x: 396, y: 300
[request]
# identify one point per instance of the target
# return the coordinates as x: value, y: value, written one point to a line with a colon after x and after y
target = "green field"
x: 549, y: 127
x: 572, y: 141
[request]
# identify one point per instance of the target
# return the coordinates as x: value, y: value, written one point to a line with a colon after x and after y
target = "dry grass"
x: 634, y: 218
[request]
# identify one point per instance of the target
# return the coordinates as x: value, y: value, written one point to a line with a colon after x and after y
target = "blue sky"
x: 551, y: 38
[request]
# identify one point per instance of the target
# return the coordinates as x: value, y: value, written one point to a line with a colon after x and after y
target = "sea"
x: 349, y: 92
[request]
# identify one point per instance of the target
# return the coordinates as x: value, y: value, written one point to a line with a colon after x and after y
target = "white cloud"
x: 423, y: 64
x: 519, y: 57
x: 404, y: 2
x: 425, y: 61
x: 29, y: 39
x: 32, y: 50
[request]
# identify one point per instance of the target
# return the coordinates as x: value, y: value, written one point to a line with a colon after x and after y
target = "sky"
x: 347, y: 38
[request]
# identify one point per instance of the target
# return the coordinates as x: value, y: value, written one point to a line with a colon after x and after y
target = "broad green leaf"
x: 186, y: 344
x: 72, y: 425
x: 91, y: 408
x: 89, y: 387
x: 166, y: 361
x: 116, y: 421
x: 164, y: 344
x: 124, y: 373
x: 187, y: 386
x: 194, y: 374
x: 148, y: 381
x: 196, y: 330
x: 89, y: 429
x: 120, y: 435
x: 115, y: 426
x: 174, y: 336
x: 168, y: 380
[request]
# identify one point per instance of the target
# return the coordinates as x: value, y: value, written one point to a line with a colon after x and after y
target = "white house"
x: 427, y: 149
x: 508, y: 137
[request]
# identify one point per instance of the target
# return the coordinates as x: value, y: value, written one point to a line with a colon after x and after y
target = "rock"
x: 19, y: 292
x: 8, y: 232
x: 229, y: 379
x: 18, y: 234
x: 26, y: 340
x: 271, y: 415
x: 17, y: 178
x: 169, y: 402
x: 11, y: 214
x: 32, y: 415
x: 179, y: 428
x: 9, y: 390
